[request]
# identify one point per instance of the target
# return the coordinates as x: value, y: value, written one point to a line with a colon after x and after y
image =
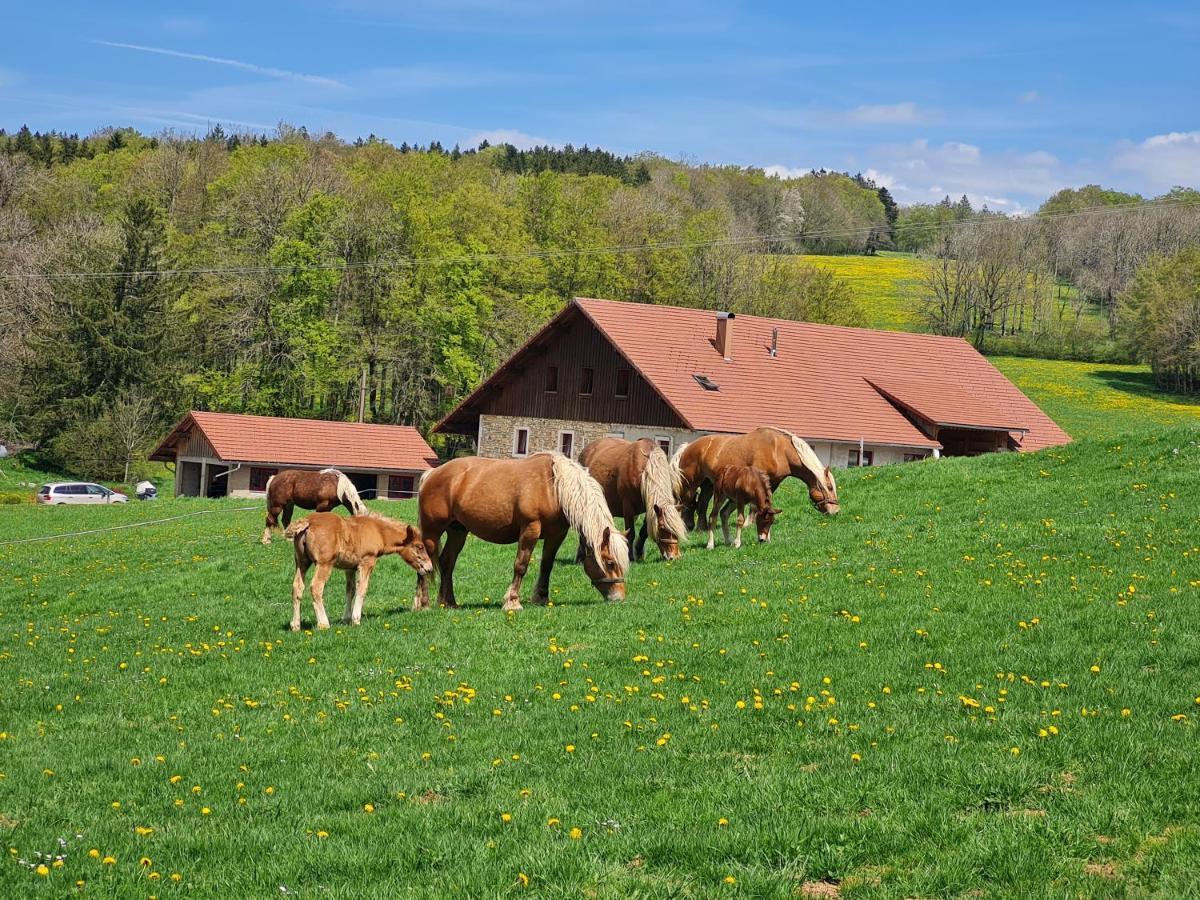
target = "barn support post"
x: 203, y: 479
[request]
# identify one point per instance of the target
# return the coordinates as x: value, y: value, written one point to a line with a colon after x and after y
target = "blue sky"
x: 1005, y: 102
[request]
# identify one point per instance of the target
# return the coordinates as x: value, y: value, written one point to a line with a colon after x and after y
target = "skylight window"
x: 707, y: 383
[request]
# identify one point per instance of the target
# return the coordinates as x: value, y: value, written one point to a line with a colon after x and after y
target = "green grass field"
x: 980, y: 679
x: 1098, y: 399
x: 886, y: 285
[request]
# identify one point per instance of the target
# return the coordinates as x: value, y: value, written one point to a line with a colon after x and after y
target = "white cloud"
x: 518, y: 139
x: 1163, y: 160
x: 1030, y: 97
x: 785, y: 172
x: 190, y: 25
x: 269, y: 71
x: 886, y: 114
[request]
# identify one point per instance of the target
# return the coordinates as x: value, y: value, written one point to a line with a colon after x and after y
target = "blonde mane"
x: 346, y: 491
x: 660, y: 486
x: 676, y: 469
x: 808, y: 456
x: 582, y: 501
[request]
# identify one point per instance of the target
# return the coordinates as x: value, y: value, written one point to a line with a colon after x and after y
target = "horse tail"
x: 296, y: 530
x: 348, y: 493
x: 267, y: 489
x: 660, y: 488
x: 582, y: 501
x: 677, y: 470
x: 421, y: 480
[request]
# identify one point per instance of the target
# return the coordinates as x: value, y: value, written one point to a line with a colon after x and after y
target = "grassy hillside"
x: 1098, y: 399
x: 981, y: 678
x: 886, y: 285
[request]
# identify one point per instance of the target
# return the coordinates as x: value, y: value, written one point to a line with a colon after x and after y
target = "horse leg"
x: 287, y: 514
x: 298, y: 593
x: 528, y: 540
x: 707, y: 525
x: 360, y: 594
x: 550, y: 545
x: 706, y: 494
x: 318, y: 593
x: 629, y: 515
x: 642, y: 535
x: 351, y: 591
x: 726, y: 509
x: 741, y: 523
x: 456, y: 536
x: 580, y: 553
x: 272, y: 522
x: 431, y: 535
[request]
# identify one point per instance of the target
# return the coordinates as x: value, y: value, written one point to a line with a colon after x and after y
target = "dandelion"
x: 576, y: 833
x: 505, y: 818
x: 570, y: 748
x: 321, y: 835
x: 722, y: 822
x: 1015, y: 751
x: 368, y: 808
x: 856, y: 757
x: 552, y: 822
x: 108, y: 861
x: 42, y: 870
x: 1095, y: 670
x: 729, y: 879
x: 144, y: 862
x: 523, y: 879
x: 176, y: 877
x: 205, y: 811
x: 143, y: 831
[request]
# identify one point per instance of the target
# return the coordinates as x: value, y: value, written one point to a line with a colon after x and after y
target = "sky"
x: 1004, y: 102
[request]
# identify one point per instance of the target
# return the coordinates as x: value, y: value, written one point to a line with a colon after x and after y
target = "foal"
x: 741, y: 486
x: 351, y: 543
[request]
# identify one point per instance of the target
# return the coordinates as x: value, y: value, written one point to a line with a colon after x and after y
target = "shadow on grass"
x: 1140, y: 384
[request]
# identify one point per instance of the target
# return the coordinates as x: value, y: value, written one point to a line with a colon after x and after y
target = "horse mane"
x: 808, y: 456
x: 676, y: 469
x: 660, y: 486
x: 766, y: 481
x: 347, y: 492
x: 582, y: 501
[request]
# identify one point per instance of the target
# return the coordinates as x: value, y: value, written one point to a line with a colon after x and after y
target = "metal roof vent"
x: 707, y: 383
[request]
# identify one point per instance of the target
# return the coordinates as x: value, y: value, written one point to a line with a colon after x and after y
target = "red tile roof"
x: 305, y: 442
x: 817, y: 385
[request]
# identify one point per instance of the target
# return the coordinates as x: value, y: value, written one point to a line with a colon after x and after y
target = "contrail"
x: 233, y: 63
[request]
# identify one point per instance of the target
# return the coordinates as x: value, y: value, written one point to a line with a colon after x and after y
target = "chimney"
x: 725, y: 334
x: 774, y: 342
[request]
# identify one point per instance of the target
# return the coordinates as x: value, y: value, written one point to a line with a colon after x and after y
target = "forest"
x: 143, y: 275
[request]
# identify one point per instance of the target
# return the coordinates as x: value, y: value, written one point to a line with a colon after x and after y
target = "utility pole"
x: 362, y: 394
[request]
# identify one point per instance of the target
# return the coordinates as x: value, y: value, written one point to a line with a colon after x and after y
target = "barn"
x: 859, y: 396
x: 231, y: 455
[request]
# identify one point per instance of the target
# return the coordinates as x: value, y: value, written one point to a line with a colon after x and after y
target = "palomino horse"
x: 507, y: 501
x: 637, y: 478
x: 777, y: 452
x: 321, y: 491
x: 736, y: 488
x: 351, y: 543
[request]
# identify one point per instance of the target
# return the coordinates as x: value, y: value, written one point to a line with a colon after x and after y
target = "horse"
x: 320, y: 491
x: 737, y: 487
x: 777, y: 452
x: 637, y: 478
x: 354, y: 544
x: 506, y: 501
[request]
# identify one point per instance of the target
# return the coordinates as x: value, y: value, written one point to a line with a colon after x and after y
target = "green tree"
x: 1160, y: 319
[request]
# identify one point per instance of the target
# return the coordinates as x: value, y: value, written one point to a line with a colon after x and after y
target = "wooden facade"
x: 549, y: 381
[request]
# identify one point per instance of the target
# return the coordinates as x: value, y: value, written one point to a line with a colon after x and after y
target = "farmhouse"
x: 860, y: 397
x: 227, y: 455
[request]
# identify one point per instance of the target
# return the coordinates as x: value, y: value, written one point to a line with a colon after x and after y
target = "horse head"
x: 823, y: 493
x: 667, y: 540
x: 604, y: 568
x: 407, y: 542
x: 764, y: 520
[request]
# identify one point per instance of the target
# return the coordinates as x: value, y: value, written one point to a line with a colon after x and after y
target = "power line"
x: 70, y: 534
x: 414, y: 262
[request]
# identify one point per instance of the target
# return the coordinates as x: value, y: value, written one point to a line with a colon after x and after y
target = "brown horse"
x: 637, y: 478
x: 354, y: 544
x: 736, y: 488
x: 506, y: 501
x: 321, y: 491
x: 777, y: 452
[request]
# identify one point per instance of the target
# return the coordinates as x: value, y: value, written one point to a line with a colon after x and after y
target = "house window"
x: 552, y: 380
x: 520, y: 442
x: 401, y: 487
x: 586, y: 379
x: 566, y: 443
x: 868, y: 458
x: 616, y: 434
x: 913, y: 457
x: 259, y: 478
x: 665, y: 443
x: 623, y: 376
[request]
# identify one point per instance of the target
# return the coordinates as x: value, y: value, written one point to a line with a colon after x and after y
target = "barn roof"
x: 824, y: 383
x: 303, y: 442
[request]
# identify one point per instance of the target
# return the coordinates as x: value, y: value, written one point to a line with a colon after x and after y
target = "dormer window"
x: 707, y: 383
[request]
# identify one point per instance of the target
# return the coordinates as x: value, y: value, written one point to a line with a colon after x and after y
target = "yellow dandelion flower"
x: 143, y: 831
x: 205, y: 811
x: 576, y: 833
x: 368, y: 808
x: 42, y: 870
x: 322, y: 834
x: 729, y: 879
x: 522, y: 879
x: 855, y: 757
x: 176, y: 877
x: 505, y: 818
x: 94, y: 853
x: 570, y: 748
x: 552, y: 822
x: 722, y: 822
x: 108, y: 861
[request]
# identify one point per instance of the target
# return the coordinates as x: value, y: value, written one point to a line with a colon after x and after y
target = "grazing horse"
x: 777, y: 452
x: 354, y: 544
x: 637, y: 478
x: 738, y: 487
x: 519, y: 501
x: 321, y: 491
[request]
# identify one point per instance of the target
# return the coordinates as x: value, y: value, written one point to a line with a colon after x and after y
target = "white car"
x: 78, y: 492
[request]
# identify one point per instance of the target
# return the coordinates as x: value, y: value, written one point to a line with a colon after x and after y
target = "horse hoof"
x: 512, y: 606
x: 322, y: 626
x: 295, y: 626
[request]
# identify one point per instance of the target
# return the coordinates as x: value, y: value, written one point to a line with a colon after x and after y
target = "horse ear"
x: 658, y: 511
x: 410, y: 534
x: 607, y: 537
